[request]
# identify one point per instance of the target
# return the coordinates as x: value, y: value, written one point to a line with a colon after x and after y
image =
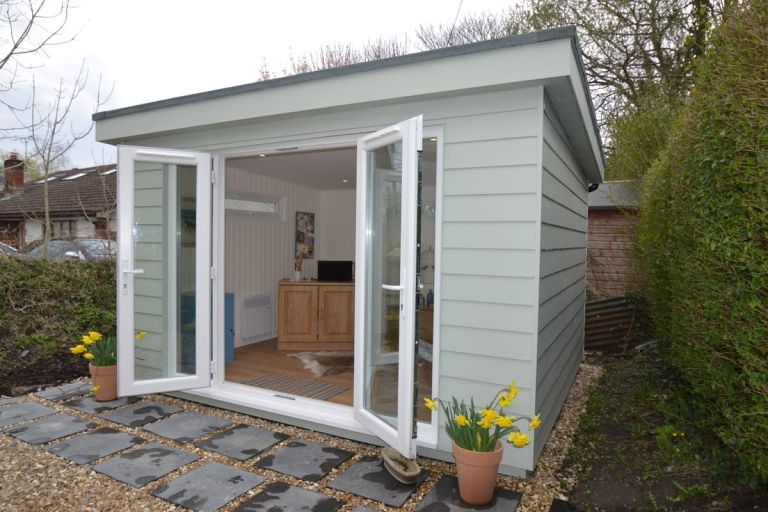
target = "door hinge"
x: 213, y: 175
x: 212, y: 367
x: 213, y: 272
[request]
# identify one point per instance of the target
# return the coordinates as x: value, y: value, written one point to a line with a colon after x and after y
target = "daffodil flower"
x: 78, y: 349
x: 518, y: 439
x: 485, y: 423
x: 88, y: 356
x: 534, y: 423
x: 505, y: 400
x: 95, y: 388
x: 513, y: 390
x: 140, y: 335
x: 430, y: 404
x: 504, y: 421
x: 95, y: 335
x: 87, y: 340
x: 461, y: 420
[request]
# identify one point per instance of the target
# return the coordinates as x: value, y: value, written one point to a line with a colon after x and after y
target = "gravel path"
x: 31, y: 479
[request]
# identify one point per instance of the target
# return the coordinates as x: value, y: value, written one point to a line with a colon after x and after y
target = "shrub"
x: 703, y: 239
x: 46, y: 306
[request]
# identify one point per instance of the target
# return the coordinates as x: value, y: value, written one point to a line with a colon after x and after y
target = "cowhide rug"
x: 326, y: 362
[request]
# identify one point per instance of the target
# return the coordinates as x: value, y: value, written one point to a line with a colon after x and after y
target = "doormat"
x: 310, y: 388
x: 326, y: 363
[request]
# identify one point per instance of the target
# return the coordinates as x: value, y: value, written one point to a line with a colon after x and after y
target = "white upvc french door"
x: 163, y: 270
x: 385, y: 277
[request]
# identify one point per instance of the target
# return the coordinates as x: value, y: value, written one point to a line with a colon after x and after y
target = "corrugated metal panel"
x: 609, y: 323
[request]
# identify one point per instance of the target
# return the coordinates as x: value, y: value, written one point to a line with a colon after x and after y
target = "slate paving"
x: 368, y: 478
x: 144, y: 464
x: 208, y: 487
x: 305, y: 460
x: 24, y: 411
x: 49, y: 428
x: 91, y: 446
x: 444, y: 497
x: 242, y: 441
x: 361, y: 508
x: 65, y: 391
x: 562, y: 506
x: 88, y: 404
x: 187, y: 426
x: 282, y: 497
x: 9, y: 400
x: 140, y: 413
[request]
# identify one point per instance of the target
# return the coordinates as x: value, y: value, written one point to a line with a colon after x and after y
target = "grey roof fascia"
x: 412, y: 58
x: 585, y: 83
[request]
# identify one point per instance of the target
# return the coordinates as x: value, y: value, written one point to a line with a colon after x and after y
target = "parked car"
x: 7, y: 249
x: 77, y: 249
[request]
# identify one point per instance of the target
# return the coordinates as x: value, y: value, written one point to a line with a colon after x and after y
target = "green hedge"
x: 46, y: 307
x: 703, y: 239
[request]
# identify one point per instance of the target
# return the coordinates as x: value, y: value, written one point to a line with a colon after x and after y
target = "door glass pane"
x: 164, y: 249
x: 384, y: 168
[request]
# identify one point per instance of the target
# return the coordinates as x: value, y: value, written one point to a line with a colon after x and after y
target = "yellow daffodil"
x: 140, y: 335
x: 461, y: 420
x: 534, y: 423
x: 95, y: 336
x: 78, y: 349
x: 489, y: 414
x: 512, y: 391
x: 88, y: 356
x: 504, y: 421
x: 95, y: 388
x: 430, y: 404
x: 518, y: 440
x: 505, y: 400
x: 485, y: 423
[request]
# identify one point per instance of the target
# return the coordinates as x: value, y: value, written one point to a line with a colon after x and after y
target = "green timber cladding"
x: 520, y: 147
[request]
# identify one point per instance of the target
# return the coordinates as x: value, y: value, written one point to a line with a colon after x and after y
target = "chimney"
x: 14, y: 175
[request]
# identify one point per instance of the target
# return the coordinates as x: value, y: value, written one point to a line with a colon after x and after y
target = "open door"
x: 163, y: 270
x: 386, y: 279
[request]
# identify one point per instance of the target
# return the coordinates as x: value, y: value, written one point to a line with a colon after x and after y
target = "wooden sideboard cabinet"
x: 315, y: 315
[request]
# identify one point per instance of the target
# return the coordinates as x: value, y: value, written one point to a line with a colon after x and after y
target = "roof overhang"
x: 551, y: 58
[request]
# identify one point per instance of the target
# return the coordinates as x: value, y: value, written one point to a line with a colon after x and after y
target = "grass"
x: 638, y: 449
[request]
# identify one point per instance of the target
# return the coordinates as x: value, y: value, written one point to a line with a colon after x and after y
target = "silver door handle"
x: 395, y: 288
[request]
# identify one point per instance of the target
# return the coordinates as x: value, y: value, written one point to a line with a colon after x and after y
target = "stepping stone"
x: 49, y: 428
x: 89, y: 405
x: 9, y: 400
x: 88, y: 447
x: 444, y: 497
x: 140, y: 413
x: 24, y: 411
x: 144, y: 464
x: 561, y: 506
x: 242, y: 442
x: 305, y: 460
x: 281, y: 497
x: 187, y: 426
x: 361, y: 508
x: 208, y: 487
x: 65, y: 391
x: 369, y: 479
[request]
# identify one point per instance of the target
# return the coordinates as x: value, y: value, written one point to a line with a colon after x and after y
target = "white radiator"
x: 256, y: 317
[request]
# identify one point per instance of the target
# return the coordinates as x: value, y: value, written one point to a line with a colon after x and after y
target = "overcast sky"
x: 154, y: 49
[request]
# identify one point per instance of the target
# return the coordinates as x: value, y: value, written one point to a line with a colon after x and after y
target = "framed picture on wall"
x: 305, y: 234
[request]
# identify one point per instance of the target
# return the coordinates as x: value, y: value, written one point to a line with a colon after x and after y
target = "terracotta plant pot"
x: 477, y: 473
x: 105, y: 377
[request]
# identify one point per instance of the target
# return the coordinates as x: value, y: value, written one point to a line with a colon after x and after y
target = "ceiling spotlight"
x: 262, y: 155
x: 345, y: 180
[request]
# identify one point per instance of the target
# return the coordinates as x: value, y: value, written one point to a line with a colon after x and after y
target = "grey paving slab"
x: 140, y: 413
x: 361, y: 508
x: 444, y: 497
x: 208, y: 487
x: 368, y: 478
x: 49, y: 428
x: 88, y: 447
x: 9, y: 400
x: 144, y: 464
x: 187, y: 426
x: 65, y: 391
x: 89, y: 405
x: 562, y: 506
x: 305, y: 460
x: 281, y: 497
x: 242, y: 442
x: 24, y: 411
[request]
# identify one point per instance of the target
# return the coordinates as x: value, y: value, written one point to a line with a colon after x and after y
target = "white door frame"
x: 315, y: 411
x: 126, y: 271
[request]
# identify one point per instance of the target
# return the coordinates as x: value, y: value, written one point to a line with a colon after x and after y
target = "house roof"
x: 551, y: 58
x: 71, y: 193
x: 615, y: 194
